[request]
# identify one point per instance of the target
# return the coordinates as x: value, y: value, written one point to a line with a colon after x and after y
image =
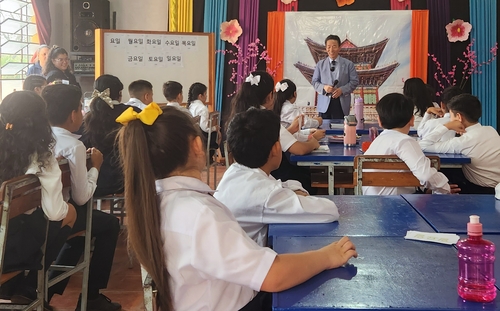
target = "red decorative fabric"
x: 293, y: 6
x: 43, y: 21
x: 400, y: 5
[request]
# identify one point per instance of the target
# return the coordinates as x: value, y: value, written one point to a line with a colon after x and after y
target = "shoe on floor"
x: 101, y: 303
x: 23, y: 300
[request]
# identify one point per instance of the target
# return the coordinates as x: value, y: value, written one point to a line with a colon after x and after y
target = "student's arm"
x: 422, y: 129
x: 311, y: 122
x: 83, y: 182
x: 420, y: 166
x: 289, y: 113
x: 304, y: 147
x: 431, y: 143
x: 204, y: 117
x: 289, y: 270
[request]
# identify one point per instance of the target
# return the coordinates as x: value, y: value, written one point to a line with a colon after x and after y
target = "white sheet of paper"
x: 443, y: 238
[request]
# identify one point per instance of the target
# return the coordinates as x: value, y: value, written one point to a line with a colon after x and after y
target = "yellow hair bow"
x: 147, y: 116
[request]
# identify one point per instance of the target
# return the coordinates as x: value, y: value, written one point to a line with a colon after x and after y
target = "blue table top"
x: 361, y: 216
x: 339, y: 153
x: 391, y: 273
x: 339, y: 127
x: 450, y: 213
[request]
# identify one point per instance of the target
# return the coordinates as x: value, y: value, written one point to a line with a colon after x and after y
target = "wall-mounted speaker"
x: 86, y: 17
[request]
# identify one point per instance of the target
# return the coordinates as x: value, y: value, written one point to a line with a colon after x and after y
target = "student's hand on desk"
x: 456, y: 126
x: 319, y: 134
x: 302, y: 193
x: 340, y: 252
x: 454, y: 189
x: 96, y: 157
x: 437, y: 111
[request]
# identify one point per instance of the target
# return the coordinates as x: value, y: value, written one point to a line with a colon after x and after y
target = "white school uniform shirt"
x: 290, y: 111
x: 480, y: 143
x: 418, y: 118
x: 429, y: 123
x: 178, y: 106
x: 83, y: 182
x: 136, y: 103
x: 198, y: 108
x: 286, y: 138
x: 257, y: 199
x: 391, y: 142
x: 213, y: 264
x: 53, y: 204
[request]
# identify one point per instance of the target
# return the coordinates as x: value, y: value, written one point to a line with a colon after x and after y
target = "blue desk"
x: 390, y: 274
x: 338, y: 127
x: 344, y: 156
x: 361, y: 216
x: 450, y: 213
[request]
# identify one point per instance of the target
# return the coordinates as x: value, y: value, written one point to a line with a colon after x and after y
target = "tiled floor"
x: 124, y: 285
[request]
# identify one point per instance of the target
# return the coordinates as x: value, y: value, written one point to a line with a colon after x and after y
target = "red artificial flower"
x: 230, y: 31
x: 344, y: 2
x: 458, y: 30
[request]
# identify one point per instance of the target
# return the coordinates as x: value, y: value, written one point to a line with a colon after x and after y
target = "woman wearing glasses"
x: 58, y: 67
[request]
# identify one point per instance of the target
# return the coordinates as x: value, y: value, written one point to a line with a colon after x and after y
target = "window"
x: 17, y: 29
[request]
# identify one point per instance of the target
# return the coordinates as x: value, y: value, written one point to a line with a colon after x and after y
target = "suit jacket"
x: 348, y: 81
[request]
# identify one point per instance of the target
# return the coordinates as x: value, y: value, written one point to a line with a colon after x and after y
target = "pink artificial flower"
x: 287, y: 1
x: 458, y: 30
x: 230, y: 31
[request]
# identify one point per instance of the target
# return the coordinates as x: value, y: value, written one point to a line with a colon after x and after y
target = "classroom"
x: 249, y: 155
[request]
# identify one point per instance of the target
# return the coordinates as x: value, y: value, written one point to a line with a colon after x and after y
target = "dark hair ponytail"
x: 195, y: 90
x: 281, y: 96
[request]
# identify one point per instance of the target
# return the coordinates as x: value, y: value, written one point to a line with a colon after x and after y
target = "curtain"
x: 404, y: 5
x: 180, y: 15
x: 276, y: 43
x: 43, y: 21
x: 293, y: 6
x: 419, y: 44
x: 249, y: 21
x: 215, y: 14
x: 439, y: 45
x: 484, y: 32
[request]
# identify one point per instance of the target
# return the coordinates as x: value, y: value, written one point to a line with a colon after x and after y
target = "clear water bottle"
x: 476, y: 259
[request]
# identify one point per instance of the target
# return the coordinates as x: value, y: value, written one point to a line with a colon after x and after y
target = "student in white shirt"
x: 257, y: 92
x: 254, y: 197
x: 172, y: 90
x: 430, y: 122
x: 395, y: 115
x: 480, y: 143
x: 415, y: 89
x: 190, y: 243
x: 64, y: 110
x: 141, y: 94
x: 26, y: 141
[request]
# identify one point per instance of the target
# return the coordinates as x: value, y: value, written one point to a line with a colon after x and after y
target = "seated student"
x: 429, y: 122
x: 480, y: 143
x: 395, y: 115
x: 34, y: 83
x: 416, y: 91
x: 64, y: 110
x: 141, y: 94
x: 197, y: 96
x: 191, y: 245
x: 254, y: 197
x: 26, y: 141
x: 172, y: 90
x: 100, y: 131
x: 257, y: 92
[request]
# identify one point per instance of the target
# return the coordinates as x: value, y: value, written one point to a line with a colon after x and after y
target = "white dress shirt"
x: 290, y: 111
x: 429, y: 123
x: 83, y: 182
x: 286, y: 139
x: 480, y: 143
x: 53, y: 204
x: 136, y: 103
x: 178, y: 106
x: 257, y: 199
x: 198, y: 108
x: 391, y: 142
x: 212, y: 262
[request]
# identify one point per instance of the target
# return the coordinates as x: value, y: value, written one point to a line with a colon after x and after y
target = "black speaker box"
x: 86, y: 16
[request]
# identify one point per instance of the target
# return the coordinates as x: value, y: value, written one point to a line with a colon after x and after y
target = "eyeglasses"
x: 61, y: 59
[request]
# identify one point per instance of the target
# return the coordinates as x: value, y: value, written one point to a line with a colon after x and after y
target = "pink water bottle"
x: 358, y: 111
x: 476, y: 259
x: 350, y: 131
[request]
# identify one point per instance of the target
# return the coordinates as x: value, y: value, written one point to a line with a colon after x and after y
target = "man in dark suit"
x: 334, y: 98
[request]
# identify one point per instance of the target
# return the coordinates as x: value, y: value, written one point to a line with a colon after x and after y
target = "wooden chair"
x: 17, y: 196
x: 213, y: 120
x: 391, y: 171
x: 83, y: 265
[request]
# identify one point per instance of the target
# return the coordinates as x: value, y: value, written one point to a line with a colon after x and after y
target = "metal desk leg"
x: 331, y: 181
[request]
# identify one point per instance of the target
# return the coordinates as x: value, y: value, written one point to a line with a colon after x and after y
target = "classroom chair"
x: 85, y: 263
x: 17, y: 196
x: 391, y: 171
x: 150, y: 291
x: 213, y: 120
